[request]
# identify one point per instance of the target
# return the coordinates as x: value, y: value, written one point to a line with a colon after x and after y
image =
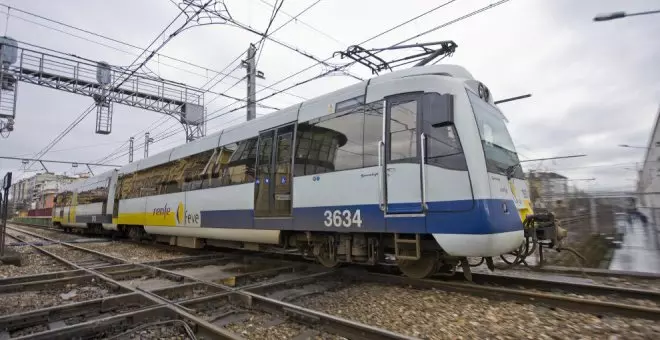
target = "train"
x: 414, y: 168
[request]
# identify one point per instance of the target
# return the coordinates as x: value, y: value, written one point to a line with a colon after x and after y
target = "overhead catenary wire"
x: 261, y: 43
x: 306, y: 24
x: 210, y: 116
x: 470, y: 14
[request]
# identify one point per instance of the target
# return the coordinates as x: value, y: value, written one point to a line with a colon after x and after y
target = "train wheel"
x: 418, y: 269
x: 135, y: 233
x: 325, y: 257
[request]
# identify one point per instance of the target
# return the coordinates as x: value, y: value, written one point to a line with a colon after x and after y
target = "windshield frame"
x: 500, y: 159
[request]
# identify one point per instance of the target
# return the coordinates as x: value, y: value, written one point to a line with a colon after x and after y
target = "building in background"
x: 37, y: 192
x: 548, y: 190
x: 648, y: 182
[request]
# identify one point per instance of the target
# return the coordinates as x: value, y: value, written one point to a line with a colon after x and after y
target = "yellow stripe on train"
x: 146, y: 218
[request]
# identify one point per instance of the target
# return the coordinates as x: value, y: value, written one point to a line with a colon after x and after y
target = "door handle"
x: 423, y: 165
x: 382, y: 172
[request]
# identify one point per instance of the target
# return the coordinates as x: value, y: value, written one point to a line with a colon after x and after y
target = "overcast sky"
x: 594, y: 85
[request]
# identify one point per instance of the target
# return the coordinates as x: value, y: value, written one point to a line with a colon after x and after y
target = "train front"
x: 500, y: 197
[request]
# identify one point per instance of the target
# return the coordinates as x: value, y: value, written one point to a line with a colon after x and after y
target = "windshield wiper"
x: 511, y: 170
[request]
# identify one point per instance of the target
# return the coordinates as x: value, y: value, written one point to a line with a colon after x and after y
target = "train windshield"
x: 498, y: 147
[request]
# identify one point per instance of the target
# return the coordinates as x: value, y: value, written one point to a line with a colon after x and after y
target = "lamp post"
x: 633, y: 147
x: 621, y: 14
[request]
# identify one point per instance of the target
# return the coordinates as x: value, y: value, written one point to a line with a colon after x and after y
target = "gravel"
x: 265, y: 326
x: 29, y: 300
x: 169, y: 330
x: 433, y: 314
x: 160, y: 332
x: 71, y: 254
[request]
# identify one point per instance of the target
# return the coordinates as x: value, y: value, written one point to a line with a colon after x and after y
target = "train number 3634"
x: 342, y: 218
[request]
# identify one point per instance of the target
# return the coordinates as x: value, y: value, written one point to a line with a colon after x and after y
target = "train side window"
x: 342, y: 146
x: 219, y: 170
x: 332, y: 143
x: 373, y: 132
x: 240, y: 168
x: 193, y: 173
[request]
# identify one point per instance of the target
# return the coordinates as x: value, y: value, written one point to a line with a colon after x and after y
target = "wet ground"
x: 640, y: 251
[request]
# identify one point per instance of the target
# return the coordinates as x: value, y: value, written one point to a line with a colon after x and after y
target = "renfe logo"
x: 162, y: 211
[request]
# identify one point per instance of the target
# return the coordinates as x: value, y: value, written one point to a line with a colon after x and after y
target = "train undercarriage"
x: 415, y: 255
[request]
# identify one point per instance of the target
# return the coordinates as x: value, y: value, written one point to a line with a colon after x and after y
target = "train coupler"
x: 544, y: 227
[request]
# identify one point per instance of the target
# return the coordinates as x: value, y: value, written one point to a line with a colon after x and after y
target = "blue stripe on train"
x: 485, y: 217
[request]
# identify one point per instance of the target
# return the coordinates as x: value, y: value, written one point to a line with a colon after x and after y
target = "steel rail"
x: 597, y: 272
x: 574, y: 287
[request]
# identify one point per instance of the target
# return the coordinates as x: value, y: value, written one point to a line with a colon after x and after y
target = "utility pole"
x: 130, y: 150
x: 250, y: 65
x: 147, y: 140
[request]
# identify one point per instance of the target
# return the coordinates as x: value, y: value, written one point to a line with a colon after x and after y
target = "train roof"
x: 305, y: 111
x: 79, y: 183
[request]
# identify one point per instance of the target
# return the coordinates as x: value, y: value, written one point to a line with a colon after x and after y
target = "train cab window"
x: 443, y: 148
x: 498, y: 147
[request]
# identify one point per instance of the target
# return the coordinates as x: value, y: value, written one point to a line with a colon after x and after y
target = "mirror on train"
x: 438, y: 109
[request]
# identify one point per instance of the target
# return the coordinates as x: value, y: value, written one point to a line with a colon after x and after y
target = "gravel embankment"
x: 132, y: 252
x: 32, y: 262
x: 432, y: 314
x: 54, y: 234
x: 36, y: 299
x: 629, y: 282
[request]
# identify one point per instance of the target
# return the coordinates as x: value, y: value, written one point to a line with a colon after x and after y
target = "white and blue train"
x: 415, y: 166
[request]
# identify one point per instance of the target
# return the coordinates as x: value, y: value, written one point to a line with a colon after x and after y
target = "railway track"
x: 248, y: 296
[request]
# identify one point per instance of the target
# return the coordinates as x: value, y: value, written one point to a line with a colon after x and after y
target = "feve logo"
x: 180, y: 211
x: 185, y: 217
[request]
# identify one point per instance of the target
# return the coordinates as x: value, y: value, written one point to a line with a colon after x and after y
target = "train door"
x: 272, y: 192
x: 402, y: 186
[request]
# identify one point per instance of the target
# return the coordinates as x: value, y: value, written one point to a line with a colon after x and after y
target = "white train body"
x: 433, y: 130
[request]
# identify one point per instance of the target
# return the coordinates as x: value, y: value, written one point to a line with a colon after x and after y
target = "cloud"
x: 594, y: 85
